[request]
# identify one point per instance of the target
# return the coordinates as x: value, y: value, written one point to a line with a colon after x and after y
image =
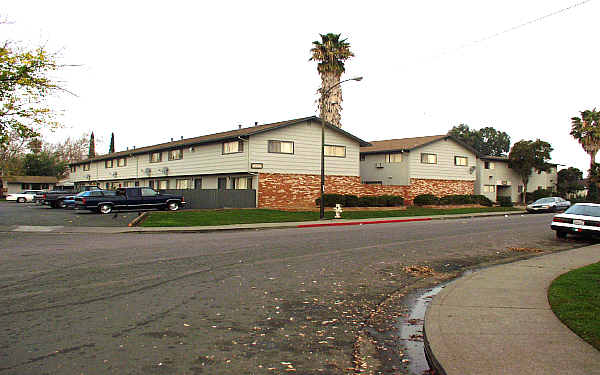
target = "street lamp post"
x: 325, y: 104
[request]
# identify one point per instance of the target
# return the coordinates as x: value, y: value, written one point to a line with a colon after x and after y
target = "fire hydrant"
x: 338, y: 210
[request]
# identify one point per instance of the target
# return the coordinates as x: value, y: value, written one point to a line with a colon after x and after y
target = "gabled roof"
x: 407, y: 144
x: 219, y: 137
x: 30, y: 179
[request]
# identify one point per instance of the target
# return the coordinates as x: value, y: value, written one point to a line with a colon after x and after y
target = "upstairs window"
x: 461, y: 161
x: 155, y: 157
x: 488, y: 165
x: 335, y: 151
x: 108, y: 163
x: 121, y: 162
x: 393, y: 158
x: 86, y: 167
x: 233, y: 147
x: 281, y: 147
x: 176, y: 154
x: 429, y: 158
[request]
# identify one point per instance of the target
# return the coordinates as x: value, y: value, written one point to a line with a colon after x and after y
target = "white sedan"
x: 24, y: 196
x: 581, y: 218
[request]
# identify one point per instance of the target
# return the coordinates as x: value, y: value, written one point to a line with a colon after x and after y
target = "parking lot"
x: 12, y: 213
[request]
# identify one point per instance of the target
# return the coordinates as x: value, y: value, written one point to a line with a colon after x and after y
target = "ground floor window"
x: 163, y: 184
x: 182, y: 184
x: 373, y: 182
x: 489, y: 188
x: 198, y: 183
x: 222, y: 183
x: 242, y: 183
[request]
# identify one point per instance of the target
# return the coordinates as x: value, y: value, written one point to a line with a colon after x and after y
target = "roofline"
x: 178, y: 144
x: 444, y: 137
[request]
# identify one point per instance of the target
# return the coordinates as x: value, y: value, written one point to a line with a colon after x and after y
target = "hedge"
x: 505, y: 202
x: 426, y: 199
x: 349, y: 200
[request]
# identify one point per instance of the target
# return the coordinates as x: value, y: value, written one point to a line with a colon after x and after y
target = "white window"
x: 176, y: 154
x: 461, y: 161
x: 242, y: 183
x: 335, y: 151
x: 182, y: 184
x: 155, y: 157
x: 163, y: 184
x: 108, y: 163
x: 429, y: 158
x: 488, y: 165
x: 281, y: 147
x: 489, y: 188
x: 393, y: 158
x: 121, y: 162
x: 233, y: 147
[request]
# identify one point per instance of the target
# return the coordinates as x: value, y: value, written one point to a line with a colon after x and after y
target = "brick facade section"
x: 295, y: 191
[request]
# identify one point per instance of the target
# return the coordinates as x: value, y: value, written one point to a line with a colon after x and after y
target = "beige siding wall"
x: 507, y: 182
x: 307, y: 155
x: 445, y: 169
x: 375, y: 168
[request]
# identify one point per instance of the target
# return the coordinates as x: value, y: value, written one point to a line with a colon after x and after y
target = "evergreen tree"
x: 111, y: 148
x: 92, y: 152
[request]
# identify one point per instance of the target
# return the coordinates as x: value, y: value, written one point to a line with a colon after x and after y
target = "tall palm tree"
x: 331, y: 52
x: 586, y: 130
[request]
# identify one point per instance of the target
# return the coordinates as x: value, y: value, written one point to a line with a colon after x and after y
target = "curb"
x: 138, y: 219
x: 362, y: 222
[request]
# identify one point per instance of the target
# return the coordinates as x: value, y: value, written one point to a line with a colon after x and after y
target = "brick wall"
x: 300, y: 190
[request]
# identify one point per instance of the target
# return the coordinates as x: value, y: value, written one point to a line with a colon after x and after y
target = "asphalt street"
x: 307, y: 301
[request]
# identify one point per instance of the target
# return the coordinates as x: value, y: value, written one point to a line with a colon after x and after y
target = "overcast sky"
x: 155, y: 70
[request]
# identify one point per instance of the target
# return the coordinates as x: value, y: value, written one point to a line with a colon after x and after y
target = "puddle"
x: 410, y: 330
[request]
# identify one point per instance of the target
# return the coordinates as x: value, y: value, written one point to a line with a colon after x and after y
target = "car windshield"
x: 585, y: 210
x: 544, y: 200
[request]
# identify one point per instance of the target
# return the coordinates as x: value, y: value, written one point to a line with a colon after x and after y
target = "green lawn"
x: 575, y: 299
x: 250, y: 216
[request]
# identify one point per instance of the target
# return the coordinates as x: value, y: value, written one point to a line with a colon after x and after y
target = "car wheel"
x: 61, y: 204
x: 561, y: 234
x: 173, y: 206
x: 105, y: 208
x: 21, y: 200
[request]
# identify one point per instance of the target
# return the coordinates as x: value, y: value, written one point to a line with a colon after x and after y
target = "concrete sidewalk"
x: 498, y: 321
x: 301, y: 224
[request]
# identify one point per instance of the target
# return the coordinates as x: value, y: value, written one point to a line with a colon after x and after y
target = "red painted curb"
x: 362, y: 223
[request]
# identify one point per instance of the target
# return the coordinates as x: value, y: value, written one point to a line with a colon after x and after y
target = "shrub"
x: 350, y: 200
x: 331, y: 200
x: 457, y: 199
x: 424, y: 199
x: 505, y: 202
x: 537, y: 194
x: 483, y: 200
x: 393, y: 200
x: 366, y: 201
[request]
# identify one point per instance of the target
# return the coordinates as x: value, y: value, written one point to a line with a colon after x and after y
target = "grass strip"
x: 252, y: 216
x: 575, y: 299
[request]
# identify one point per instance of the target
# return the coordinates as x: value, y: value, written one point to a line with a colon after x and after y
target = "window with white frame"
x: 242, y: 183
x: 108, y: 163
x: 182, y: 184
x: 233, y: 147
x: 489, y: 188
x: 86, y: 167
x: 155, y: 157
x: 281, y: 147
x: 461, y: 161
x: 176, y: 154
x: 163, y: 184
x: 429, y: 158
x: 395, y: 157
x: 488, y: 165
x: 121, y: 162
x: 335, y: 151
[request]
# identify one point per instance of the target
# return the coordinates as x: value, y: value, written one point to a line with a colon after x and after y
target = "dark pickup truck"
x: 56, y: 198
x: 130, y: 198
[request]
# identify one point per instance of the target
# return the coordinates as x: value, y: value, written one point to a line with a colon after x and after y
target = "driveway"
x: 12, y: 214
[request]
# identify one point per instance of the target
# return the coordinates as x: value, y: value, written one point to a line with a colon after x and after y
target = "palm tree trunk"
x: 332, y: 103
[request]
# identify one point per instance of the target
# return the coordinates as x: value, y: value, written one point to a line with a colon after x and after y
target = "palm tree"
x: 331, y: 52
x: 586, y: 130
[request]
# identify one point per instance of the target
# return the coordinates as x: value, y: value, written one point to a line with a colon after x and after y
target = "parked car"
x: 581, y: 218
x: 56, y: 199
x: 550, y: 204
x: 24, y: 196
x: 129, y: 198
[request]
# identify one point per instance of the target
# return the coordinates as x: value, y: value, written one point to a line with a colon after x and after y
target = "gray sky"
x: 155, y: 70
